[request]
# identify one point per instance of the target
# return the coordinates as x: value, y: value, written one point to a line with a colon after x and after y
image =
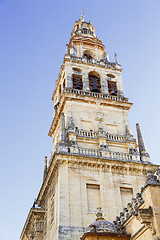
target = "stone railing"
x: 89, y: 152
x: 108, y: 155
x: 116, y: 138
x: 121, y: 156
x: 94, y: 134
x: 94, y: 61
x: 96, y: 95
x: 85, y: 133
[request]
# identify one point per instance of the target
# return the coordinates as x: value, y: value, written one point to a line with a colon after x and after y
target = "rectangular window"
x: 126, y: 196
x: 93, y: 197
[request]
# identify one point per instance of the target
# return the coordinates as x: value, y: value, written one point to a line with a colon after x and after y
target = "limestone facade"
x: 96, y: 161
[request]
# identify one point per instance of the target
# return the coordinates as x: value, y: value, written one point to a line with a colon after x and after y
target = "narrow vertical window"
x: 93, y: 197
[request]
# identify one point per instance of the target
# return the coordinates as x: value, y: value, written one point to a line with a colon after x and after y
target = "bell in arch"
x: 95, y: 84
x: 113, y: 93
x: 78, y: 83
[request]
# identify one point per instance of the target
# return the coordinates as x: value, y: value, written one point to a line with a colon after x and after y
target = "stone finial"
x: 116, y: 59
x: 127, y: 130
x: 66, y: 48
x: 105, y: 56
x: 99, y: 214
x: 34, y: 203
x: 71, y: 126
x: 45, y: 167
x: 142, y: 149
x: 151, y: 180
x: 82, y: 16
x: 157, y: 173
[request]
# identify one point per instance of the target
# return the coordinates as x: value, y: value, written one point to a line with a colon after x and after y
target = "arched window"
x: 94, y: 82
x: 112, y: 88
x: 77, y: 82
x: 88, y: 54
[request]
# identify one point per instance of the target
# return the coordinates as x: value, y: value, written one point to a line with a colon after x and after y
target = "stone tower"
x: 96, y: 161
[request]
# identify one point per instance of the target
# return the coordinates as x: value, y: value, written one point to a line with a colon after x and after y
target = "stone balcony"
x: 96, y: 95
x: 93, y: 61
x: 108, y: 136
x: 105, y: 154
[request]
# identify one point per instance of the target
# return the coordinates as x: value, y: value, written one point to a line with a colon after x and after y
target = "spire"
x: 82, y: 16
x: 140, y: 139
x: 45, y: 167
x: 142, y: 149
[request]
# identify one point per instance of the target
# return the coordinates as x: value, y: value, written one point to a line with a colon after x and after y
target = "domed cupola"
x: 84, y: 42
x: 104, y: 230
x: 83, y: 28
x: 101, y: 225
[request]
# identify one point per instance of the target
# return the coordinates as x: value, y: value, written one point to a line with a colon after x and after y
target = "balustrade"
x: 109, y: 137
x: 112, y: 155
x: 94, y: 61
x: 97, y: 95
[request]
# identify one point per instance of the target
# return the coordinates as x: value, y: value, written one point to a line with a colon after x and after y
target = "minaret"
x: 144, y: 156
x: 95, y: 161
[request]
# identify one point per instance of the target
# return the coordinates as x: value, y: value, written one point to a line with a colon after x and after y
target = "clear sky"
x: 33, y: 35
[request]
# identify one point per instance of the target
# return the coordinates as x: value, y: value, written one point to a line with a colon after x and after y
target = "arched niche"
x: 77, y: 70
x: 88, y: 54
x: 94, y: 82
x: 110, y: 75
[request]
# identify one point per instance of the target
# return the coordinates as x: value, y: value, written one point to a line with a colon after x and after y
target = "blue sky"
x: 33, y: 35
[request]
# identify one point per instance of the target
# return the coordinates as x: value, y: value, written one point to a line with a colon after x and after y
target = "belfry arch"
x: 88, y: 54
x: 94, y: 82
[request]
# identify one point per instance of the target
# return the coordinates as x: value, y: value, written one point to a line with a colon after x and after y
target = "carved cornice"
x: 88, y: 162
x: 99, y: 64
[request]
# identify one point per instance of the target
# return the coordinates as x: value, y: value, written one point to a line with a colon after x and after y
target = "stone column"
x: 85, y: 80
x: 104, y: 85
x: 119, y: 85
x: 69, y: 82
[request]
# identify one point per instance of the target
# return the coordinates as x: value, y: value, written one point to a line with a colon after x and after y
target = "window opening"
x: 93, y: 197
x: 94, y: 83
x: 126, y: 195
x: 112, y: 88
x: 77, y: 82
x: 87, y: 56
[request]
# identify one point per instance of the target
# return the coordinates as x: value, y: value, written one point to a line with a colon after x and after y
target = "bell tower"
x: 96, y: 161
